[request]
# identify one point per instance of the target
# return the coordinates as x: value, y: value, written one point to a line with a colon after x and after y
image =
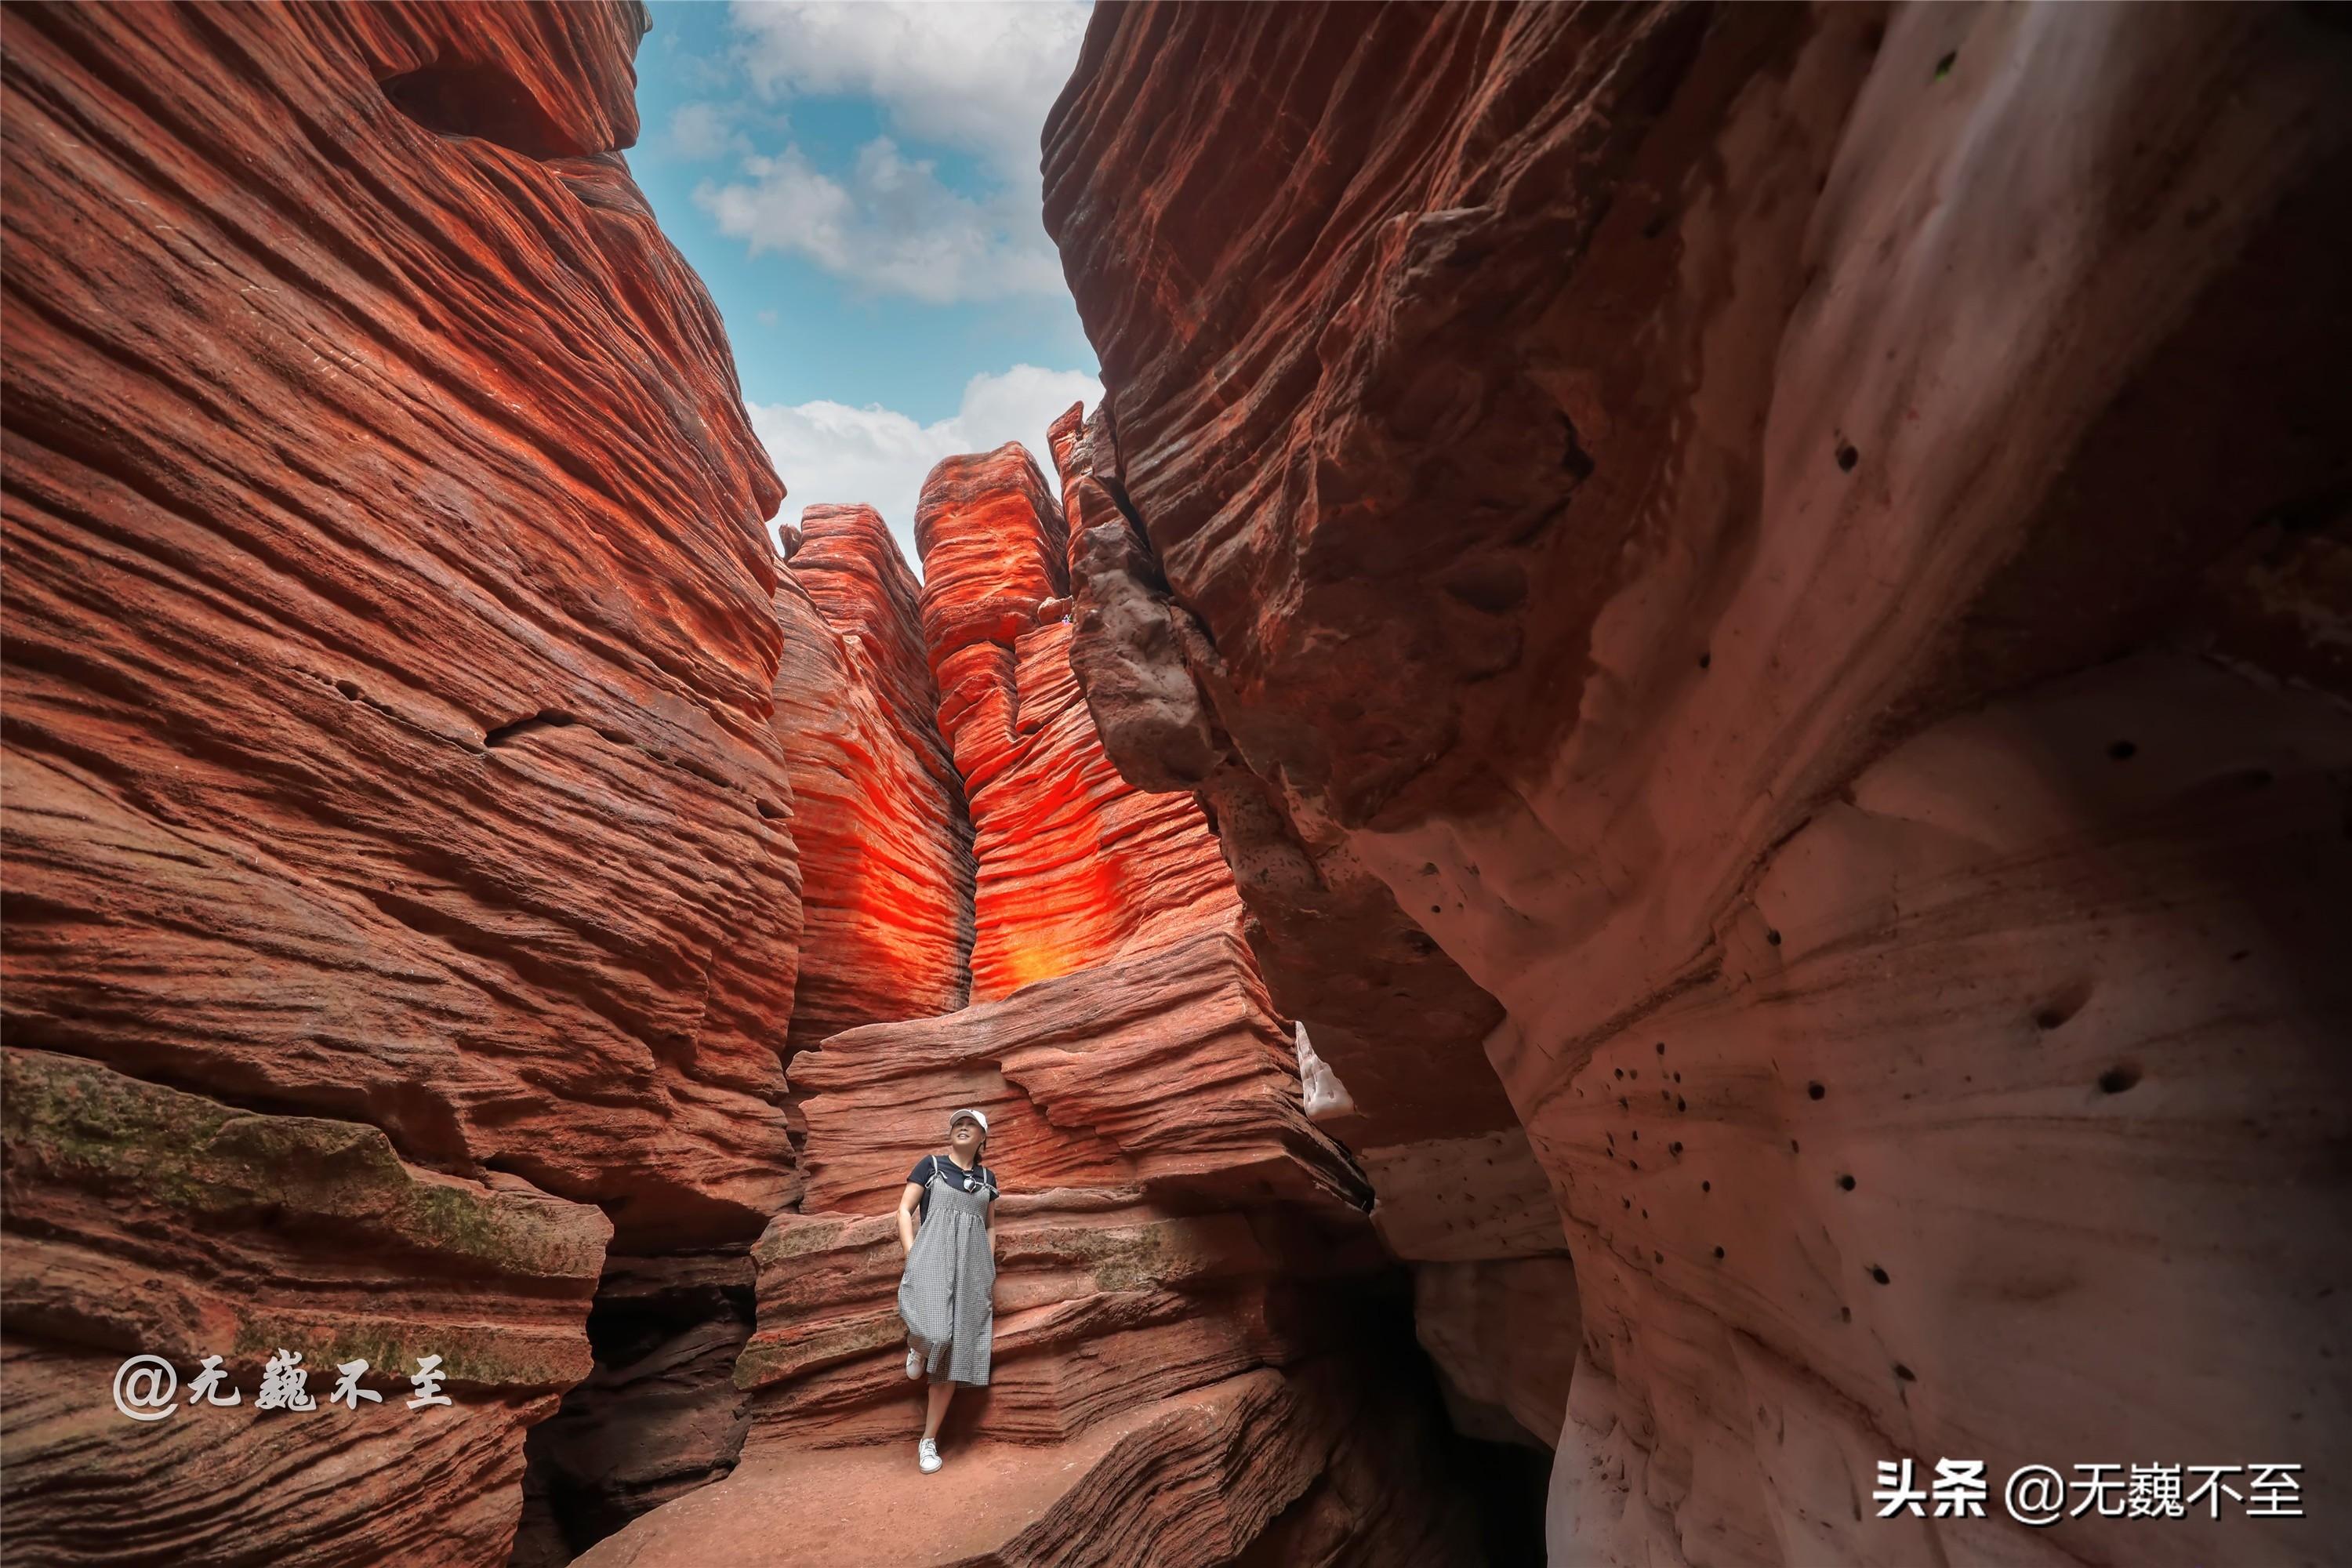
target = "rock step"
x: 1187, y: 1480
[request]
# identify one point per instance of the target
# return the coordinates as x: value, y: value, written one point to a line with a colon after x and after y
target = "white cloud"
x: 830, y: 452
x: 893, y: 229
x: 975, y: 78
x: 979, y: 75
x: 700, y: 131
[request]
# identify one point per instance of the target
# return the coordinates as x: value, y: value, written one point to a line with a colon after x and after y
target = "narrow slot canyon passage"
x: 1634, y: 849
x: 1194, y: 1264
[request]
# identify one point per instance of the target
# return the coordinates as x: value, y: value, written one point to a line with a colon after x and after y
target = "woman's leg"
x: 941, y: 1393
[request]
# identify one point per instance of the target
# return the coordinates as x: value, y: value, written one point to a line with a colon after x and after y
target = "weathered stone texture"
x: 1171, y: 1069
x: 387, y: 636
x: 145, y: 1221
x: 659, y: 1415
x: 1077, y: 866
x: 1800, y: 546
x: 1185, y: 1262
x: 885, y: 844
x: 396, y: 840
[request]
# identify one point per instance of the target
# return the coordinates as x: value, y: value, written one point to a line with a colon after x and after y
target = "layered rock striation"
x: 143, y: 1219
x: 1739, y: 612
x: 1802, y: 547
x: 1195, y: 1323
x: 884, y: 842
x: 378, y: 645
x: 397, y: 841
x: 1075, y: 865
x: 1180, y: 1334
x: 1418, y: 1096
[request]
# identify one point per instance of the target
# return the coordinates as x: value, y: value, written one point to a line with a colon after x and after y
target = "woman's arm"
x: 907, y: 1199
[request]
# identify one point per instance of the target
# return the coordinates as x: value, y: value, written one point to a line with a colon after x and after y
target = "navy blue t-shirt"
x: 948, y: 1171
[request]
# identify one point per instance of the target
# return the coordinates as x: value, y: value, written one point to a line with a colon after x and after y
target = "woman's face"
x: 964, y: 1137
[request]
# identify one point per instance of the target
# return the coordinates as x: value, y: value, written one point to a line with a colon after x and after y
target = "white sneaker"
x: 914, y: 1362
x: 927, y: 1456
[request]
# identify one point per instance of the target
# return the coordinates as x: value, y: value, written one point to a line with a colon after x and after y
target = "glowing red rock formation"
x: 993, y: 544
x: 1075, y: 865
x: 885, y: 847
x: 1174, y: 1228
x: 1671, y: 493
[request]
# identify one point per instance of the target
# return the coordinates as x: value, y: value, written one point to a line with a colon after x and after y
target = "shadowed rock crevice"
x: 504, y: 733
x: 659, y: 1416
x: 483, y: 99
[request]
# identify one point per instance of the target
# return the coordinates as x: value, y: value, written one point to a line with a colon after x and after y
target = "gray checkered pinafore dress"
x: 947, y: 1295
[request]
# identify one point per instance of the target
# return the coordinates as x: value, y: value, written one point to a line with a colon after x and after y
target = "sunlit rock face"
x: 1075, y: 865
x: 1805, y: 551
x: 885, y: 845
x: 390, y: 783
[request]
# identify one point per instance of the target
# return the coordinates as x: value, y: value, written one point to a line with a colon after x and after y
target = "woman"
x: 945, y: 1295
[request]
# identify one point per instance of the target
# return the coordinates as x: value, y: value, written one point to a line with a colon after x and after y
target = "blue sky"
x: 857, y: 184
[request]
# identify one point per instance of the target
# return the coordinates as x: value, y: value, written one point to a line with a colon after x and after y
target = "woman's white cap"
x: 975, y: 1115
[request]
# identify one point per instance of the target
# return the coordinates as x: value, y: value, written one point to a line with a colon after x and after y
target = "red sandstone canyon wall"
x: 375, y: 645
x: 1075, y: 865
x: 435, y: 819
x: 1331, y: 939
x: 885, y: 842
x: 1186, y: 1361
x: 1741, y: 610
x: 398, y: 847
x: 1803, y: 548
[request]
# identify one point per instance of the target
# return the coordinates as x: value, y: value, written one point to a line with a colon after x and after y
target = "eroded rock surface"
x: 1180, y: 1351
x: 1330, y: 938
x: 387, y: 601
x: 1201, y: 1348
x: 1799, y: 547
x: 1075, y: 865
x: 397, y: 839
x: 145, y: 1221
x: 885, y: 844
